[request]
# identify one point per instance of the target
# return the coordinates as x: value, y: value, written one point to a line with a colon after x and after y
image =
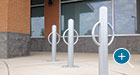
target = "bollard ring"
x: 77, y: 37
x: 113, y: 34
x: 49, y: 38
x: 93, y: 35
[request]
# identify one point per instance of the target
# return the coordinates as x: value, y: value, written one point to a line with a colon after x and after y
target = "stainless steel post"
x: 54, y: 42
x: 71, y: 42
x: 103, y: 40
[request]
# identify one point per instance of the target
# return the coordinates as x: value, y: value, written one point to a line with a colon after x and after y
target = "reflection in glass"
x: 125, y: 17
x: 37, y: 26
x: 85, y: 14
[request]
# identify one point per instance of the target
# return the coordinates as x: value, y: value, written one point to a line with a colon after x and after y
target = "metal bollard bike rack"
x: 103, y: 40
x: 54, y: 43
x: 70, y: 42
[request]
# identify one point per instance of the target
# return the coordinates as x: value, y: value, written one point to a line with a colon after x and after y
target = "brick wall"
x: 19, y: 16
x: 15, y: 16
x: 3, y: 15
x: 51, y: 16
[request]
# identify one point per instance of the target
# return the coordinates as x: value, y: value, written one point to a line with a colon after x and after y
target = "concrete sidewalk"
x: 39, y: 64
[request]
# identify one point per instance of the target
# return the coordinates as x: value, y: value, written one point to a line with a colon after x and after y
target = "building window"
x: 84, y: 13
x: 37, y: 18
x: 37, y: 22
x: 125, y: 17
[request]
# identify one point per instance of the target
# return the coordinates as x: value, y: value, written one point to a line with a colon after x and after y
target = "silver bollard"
x: 54, y: 43
x: 71, y: 42
x: 103, y: 40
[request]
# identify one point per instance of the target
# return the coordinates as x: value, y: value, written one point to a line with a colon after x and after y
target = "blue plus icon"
x: 121, y: 55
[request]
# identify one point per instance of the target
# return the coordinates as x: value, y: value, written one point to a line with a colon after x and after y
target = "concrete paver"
x: 39, y: 63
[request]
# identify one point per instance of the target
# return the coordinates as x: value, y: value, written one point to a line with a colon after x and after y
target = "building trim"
x: 122, y: 35
x: 113, y: 13
x: 70, y: 1
x: 37, y: 5
x: 60, y: 17
x: 38, y: 37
